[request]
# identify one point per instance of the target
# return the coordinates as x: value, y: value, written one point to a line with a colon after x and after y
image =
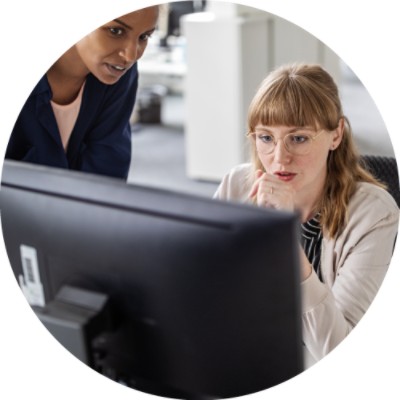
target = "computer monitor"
x: 171, y: 294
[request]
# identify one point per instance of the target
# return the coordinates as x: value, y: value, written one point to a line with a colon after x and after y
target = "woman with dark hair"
x: 77, y: 116
x: 304, y: 160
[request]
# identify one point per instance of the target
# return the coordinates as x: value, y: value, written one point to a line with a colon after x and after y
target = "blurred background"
x: 197, y: 77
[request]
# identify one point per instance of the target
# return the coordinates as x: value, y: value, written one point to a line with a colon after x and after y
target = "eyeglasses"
x: 295, y: 143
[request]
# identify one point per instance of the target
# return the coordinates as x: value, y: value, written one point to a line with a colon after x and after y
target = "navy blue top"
x: 100, y: 141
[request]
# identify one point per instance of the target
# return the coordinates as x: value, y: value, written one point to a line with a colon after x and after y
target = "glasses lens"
x: 265, y: 144
x: 298, y: 144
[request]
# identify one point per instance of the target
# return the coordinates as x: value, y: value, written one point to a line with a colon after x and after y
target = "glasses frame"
x: 275, y: 141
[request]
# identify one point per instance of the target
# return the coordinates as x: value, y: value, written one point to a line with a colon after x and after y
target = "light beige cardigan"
x: 353, y: 264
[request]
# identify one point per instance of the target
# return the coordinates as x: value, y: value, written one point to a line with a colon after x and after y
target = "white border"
x: 364, y: 34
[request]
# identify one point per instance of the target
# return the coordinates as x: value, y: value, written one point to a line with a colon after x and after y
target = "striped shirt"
x: 311, y: 240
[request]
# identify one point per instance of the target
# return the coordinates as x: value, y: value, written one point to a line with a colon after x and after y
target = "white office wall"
x: 225, y: 63
x: 229, y: 51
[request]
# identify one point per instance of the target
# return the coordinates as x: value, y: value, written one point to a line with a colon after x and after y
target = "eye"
x: 298, y: 139
x: 266, y: 138
x: 116, y: 31
x: 145, y: 36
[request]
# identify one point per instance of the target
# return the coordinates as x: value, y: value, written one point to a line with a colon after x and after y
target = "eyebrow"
x: 149, y: 32
x: 123, y: 24
x: 293, y: 130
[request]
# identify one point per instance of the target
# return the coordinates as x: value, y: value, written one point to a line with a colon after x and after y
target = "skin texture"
x: 301, y: 185
x: 107, y: 52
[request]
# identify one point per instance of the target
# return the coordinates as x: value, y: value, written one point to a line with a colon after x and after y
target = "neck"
x: 70, y: 66
x: 308, y: 203
x: 308, y: 199
x: 66, y: 76
x: 307, y: 213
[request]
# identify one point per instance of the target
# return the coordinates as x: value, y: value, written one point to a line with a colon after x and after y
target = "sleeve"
x: 235, y: 185
x: 222, y: 191
x: 360, y: 263
x: 107, y: 145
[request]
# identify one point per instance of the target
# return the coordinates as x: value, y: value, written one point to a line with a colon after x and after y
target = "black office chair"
x: 385, y: 170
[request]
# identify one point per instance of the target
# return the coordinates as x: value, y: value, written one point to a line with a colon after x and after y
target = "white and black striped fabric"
x: 311, y: 240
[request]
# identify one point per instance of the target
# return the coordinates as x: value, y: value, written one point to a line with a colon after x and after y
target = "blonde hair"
x: 306, y: 95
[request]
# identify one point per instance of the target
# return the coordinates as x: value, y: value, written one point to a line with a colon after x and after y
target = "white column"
x: 226, y: 61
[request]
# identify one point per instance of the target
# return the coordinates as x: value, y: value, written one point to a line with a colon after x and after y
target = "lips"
x: 116, y: 70
x: 285, y: 176
x: 118, y: 67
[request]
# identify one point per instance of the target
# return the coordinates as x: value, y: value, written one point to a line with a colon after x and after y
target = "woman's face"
x: 306, y: 173
x: 109, y: 51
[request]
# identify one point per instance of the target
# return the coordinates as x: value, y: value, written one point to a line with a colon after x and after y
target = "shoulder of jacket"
x: 241, y: 170
x: 368, y: 194
x: 236, y: 184
x: 41, y: 87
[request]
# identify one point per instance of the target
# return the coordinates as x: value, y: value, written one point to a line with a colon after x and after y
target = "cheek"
x: 87, y: 51
x: 315, y: 166
x: 266, y: 161
x: 94, y: 47
x: 141, y: 49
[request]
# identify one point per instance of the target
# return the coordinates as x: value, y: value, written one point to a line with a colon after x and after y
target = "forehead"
x: 144, y: 19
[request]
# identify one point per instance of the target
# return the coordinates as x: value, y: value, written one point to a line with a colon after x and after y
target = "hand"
x: 269, y: 191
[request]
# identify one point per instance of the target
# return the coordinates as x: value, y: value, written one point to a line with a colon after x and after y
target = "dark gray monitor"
x: 171, y: 294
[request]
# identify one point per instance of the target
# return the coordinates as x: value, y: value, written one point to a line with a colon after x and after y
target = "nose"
x: 281, y: 155
x: 130, y: 52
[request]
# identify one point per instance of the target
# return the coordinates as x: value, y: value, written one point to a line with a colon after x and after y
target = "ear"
x: 337, y: 135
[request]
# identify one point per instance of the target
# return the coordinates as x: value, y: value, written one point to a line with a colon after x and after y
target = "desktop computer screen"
x: 168, y: 293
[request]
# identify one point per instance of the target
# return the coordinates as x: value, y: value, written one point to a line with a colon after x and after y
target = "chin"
x: 104, y: 75
x: 108, y: 80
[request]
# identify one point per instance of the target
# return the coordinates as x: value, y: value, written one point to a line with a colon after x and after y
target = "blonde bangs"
x: 293, y: 101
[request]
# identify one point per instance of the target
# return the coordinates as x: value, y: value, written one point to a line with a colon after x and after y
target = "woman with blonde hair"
x: 304, y: 160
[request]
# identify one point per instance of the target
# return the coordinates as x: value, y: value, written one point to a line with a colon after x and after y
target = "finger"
x: 254, y: 190
x: 259, y: 172
x: 263, y: 200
